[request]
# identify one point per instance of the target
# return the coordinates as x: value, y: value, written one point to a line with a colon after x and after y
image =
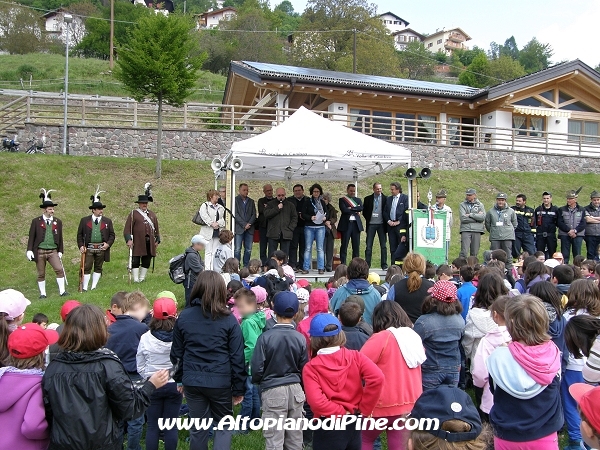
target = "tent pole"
x: 230, y: 187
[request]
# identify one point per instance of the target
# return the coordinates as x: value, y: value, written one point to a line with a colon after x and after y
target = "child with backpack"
x: 153, y: 354
x: 525, y: 380
x: 338, y: 381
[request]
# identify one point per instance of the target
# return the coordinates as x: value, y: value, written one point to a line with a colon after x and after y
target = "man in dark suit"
x: 350, y: 224
x: 95, y: 236
x: 245, y: 216
x: 374, y: 206
x: 296, y: 256
x: 262, y: 221
x: 45, y: 244
x: 396, y: 217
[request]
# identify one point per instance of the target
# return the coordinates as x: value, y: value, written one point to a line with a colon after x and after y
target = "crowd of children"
x: 528, y: 340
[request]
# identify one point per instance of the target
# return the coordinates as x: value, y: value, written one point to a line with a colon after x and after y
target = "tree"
x: 20, y: 30
x: 466, y: 56
x: 416, y: 62
x: 597, y: 68
x: 325, y: 37
x: 441, y: 57
x: 510, y: 48
x: 284, y: 18
x: 505, y: 68
x: 160, y: 63
x: 477, y: 73
x: 535, y: 56
x: 195, y: 6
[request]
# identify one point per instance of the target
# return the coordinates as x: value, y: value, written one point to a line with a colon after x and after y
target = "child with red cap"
x: 22, y: 413
x: 65, y: 309
x: 588, y: 398
x: 153, y: 354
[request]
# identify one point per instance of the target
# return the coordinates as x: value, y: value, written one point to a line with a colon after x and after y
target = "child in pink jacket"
x: 493, y: 339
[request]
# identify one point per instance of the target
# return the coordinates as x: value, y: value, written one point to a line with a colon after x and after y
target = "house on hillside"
x: 403, y: 37
x: 211, y: 19
x: 392, y: 22
x: 556, y: 110
x: 446, y: 41
x: 164, y: 6
x: 54, y: 26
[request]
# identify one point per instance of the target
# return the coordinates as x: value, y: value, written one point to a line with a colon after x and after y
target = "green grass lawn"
x: 86, y: 76
x: 177, y: 194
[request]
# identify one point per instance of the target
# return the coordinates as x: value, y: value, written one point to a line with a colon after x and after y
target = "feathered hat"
x: 147, y: 196
x: 46, y: 198
x: 96, y: 203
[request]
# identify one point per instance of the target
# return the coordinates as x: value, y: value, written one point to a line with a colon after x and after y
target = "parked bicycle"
x: 10, y: 145
x: 35, y: 146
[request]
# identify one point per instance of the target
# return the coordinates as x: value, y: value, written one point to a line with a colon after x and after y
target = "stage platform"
x: 314, y: 276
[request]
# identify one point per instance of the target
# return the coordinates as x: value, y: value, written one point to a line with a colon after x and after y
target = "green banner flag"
x: 429, y: 235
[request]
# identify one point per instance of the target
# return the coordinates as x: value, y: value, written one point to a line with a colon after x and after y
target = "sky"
x: 569, y: 26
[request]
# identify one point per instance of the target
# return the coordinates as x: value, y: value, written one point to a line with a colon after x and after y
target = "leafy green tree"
x: 441, y: 57
x: 505, y: 68
x: 96, y: 42
x: 510, y: 48
x: 159, y: 63
x: 477, y: 73
x: 20, y: 30
x: 370, y: 54
x: 535, y: 56
x: 456, y: 65
x: 284, y: 18
x: 597, y: 68
x: 416, y: 62
x: 195, y: 6
x: 466, y: 56
x: 315, y: 48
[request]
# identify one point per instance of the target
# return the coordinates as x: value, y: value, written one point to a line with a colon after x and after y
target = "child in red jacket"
x: 338, y: 381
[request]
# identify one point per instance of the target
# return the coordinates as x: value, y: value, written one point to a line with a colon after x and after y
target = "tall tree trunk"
x: 159, y: 140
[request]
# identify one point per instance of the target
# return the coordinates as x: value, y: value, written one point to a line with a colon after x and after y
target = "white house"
x: 55, y: 26
x: 211, y: 19
x: 392, y: 22
x: 403, y: 37
x: 446, y: 41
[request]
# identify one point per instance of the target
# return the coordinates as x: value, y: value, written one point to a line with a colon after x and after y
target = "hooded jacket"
x: 154, y: 353
x: 501, y: 224
x: 123, y: 338
x: 87, y: 397
x: 557, y: 332
x: 357, y: 287
x: 192, y: 266
x: 318, y: 302
x: 495, y: 338
x: 479, y: 323
x: 22, y: 412
x: 341, y: 382
x: 525, y: 382
x: 252, y: 327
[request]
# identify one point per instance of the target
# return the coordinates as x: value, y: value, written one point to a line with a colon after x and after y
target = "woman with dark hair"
x: 330, y: 232
x: 551, y: 297
x: 208, y: 350
x: 582, y: 336
x: 398, y: 352
x: 316, y: 217
x: 536, y: 271
x: 87, y: 392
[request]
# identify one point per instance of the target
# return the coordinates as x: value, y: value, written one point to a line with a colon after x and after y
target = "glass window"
x: 358, y: 122
x: 532, y: 126
x: 562, y: 97
x: 427, y: 130
x: 578, y: 106
x: 382, y: 125
x: 589, y: 130
x: 548, y: 95
x: 405, y: 127
x: 439, y: 41
x: 529, y: 101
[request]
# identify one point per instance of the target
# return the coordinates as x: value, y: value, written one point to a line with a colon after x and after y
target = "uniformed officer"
x: 525, y: 227
x: 592, y: 225
x: 546, y: 217
x: 571, y: 226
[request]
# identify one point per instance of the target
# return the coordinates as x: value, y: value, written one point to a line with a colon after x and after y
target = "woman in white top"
x: 213, y: 215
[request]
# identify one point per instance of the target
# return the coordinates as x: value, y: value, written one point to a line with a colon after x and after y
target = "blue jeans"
x: 572, y: 418
x: 165, y: 402
x: 432, y: 380
x: 251, y: 403
x: 135, y: 427
x: 565, y: 246
x: 246, y: 238
x: 316, y: 234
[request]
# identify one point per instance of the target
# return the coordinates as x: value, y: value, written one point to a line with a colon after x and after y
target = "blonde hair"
x: 527, y: 320
x: 422, y: 440
x: 414, y: 267
x: 133, y: 299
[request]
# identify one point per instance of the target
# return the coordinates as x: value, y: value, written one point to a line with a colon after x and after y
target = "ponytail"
x: 414, y: 265
x: 414, y: 281
x: 4, y: 332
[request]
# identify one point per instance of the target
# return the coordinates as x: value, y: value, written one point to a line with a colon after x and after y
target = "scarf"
x: 318, y: 206
x: 410, y: 345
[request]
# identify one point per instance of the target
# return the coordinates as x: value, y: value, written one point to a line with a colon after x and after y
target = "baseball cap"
x: 167, y: 294
x: 501, y: 195
x: 587, y: 397
x: 320, y: 321
x: 441, y: 194
x: 13, y: 303
x: 552, y: 263
x: 29, y: 340
x: 303, y: 282
x: 164, y: 308
x: 302, y: 295
x: 260, y: 293
x: 197, y: 239
x: 67, y: 307
x: 285, y: 304
x: 444, y: 291
x: 373, y: 278
x: 448, y: 403
x: 471, y: 192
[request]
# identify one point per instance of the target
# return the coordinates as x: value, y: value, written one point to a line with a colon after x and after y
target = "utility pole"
x: 354, y: 53
x: 111, y: 63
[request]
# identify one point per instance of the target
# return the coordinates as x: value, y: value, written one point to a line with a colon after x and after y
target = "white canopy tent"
x: 311, y: 147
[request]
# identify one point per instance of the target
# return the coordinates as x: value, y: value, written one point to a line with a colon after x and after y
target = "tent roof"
x: 301, y: 146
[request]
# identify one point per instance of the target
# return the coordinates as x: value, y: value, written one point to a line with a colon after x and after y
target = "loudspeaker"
x: 425, y: 173
x: 236, y: 164
x: 216, y: 164
x: 411, y: 174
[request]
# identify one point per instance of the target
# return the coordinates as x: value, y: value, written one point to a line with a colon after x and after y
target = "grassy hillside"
x: 86, y: 76
x: 177, y: 194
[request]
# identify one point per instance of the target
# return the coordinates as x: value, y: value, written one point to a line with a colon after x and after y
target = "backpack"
x: 176, y: 268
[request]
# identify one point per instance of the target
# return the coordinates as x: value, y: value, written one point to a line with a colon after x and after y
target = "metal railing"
x: 127, y: 113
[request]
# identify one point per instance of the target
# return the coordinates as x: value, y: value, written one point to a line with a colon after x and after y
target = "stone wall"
x: 205, y: 145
